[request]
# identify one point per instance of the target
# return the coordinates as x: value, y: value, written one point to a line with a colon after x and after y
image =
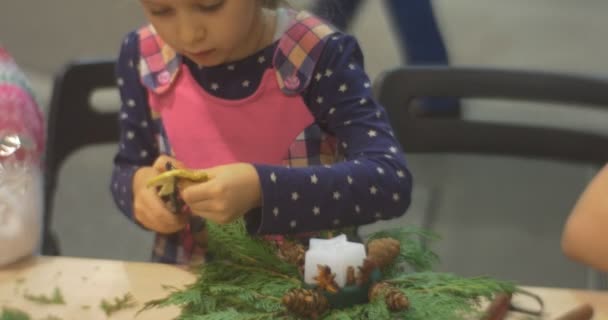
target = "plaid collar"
x: 298, y: 51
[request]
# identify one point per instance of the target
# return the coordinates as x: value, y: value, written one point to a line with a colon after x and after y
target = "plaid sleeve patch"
x: 298, y: 52
x: 159, y: 63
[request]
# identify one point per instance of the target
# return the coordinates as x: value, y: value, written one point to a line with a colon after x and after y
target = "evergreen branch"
x: 13, y: 314
x: 232, y: 314
x: 295, y: 281
x: 126, y: 302
x: 56, y: 298
x: 414, y: 251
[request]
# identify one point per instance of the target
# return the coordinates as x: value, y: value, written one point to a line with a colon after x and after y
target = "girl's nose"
x: 191, y: 33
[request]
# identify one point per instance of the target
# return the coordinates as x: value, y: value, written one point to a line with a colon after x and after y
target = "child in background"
x: 585, y: 236
x: 21, y: 149
x: 273, y: 104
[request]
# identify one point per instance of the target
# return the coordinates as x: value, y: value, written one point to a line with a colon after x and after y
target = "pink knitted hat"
x: 21, y: 121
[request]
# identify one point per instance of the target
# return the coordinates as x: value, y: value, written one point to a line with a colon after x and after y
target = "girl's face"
x: 209, y: 32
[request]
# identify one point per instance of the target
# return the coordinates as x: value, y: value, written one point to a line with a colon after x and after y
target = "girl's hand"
x: 148, y: 208
x: 231, y: 191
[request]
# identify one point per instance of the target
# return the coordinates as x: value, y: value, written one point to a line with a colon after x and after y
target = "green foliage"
x: 13, y: 314
x: 120, y: 303
x: 245, y: 279
x: 56, y: 298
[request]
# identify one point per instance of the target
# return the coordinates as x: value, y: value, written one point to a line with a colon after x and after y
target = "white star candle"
x: 337, y: 253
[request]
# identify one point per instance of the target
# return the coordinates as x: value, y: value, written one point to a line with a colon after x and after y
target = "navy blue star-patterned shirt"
x: 370, y: 182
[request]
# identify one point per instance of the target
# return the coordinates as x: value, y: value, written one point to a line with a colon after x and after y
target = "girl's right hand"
x: 148, y: 208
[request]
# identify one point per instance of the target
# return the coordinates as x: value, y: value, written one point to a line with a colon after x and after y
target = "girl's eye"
x: 210, y: 7
x: 161, y: 12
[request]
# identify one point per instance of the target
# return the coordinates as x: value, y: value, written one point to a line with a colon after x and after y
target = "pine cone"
x: 292, y: 252
x: 306, y: 303
x: 365, y: 271
x: 395, y: 299
x: 383, y: 251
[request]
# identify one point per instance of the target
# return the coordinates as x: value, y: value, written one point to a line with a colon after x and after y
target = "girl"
x: 273, y: 104
x: 585, y: 238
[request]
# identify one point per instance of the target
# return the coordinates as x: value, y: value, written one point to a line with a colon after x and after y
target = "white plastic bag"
x: 21, y: 149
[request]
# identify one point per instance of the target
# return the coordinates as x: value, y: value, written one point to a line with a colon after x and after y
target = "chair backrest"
x: 73, y: 123
x: 396, y: 89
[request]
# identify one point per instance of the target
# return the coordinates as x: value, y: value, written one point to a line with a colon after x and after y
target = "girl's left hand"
x: 231, y: 191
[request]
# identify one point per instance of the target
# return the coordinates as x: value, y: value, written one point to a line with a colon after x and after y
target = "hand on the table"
x: 148, y: 208
x: 231, y: 191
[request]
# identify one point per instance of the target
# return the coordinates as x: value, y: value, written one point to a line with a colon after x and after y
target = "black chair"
x: 73, y: 123
x: 398, y: 89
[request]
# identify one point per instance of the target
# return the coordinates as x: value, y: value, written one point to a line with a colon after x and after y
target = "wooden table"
x: 85, y: 282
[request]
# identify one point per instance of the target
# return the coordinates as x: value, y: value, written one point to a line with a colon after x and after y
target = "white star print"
x: 273, y: 177
x: 393, y: 149
x: 373, y: 190
x: 378, y: 215
x: 319, y: 100
x: 344, y: 145
x: 314, y: 179
x: 261, y: 59
x: 131, y: 64
x: 343, y: 88
x: 396, y: 197
x: 372, y: 133
x: 124, y: 115
x: 336, y: 222
x: 215, y: 86
x: 367, y: 85
x: 246, y: 84
x: 144, y: 124
x: 231, y: 67
x: 351, y: 66
x: 143, y: 153
x: 341, y: 48
x: 380, y: 170
x: 328, y: 73
x: 327, y: 166
x: 350, y: 180
x: 130, y: 135
x: 316, y: 211
x: 363, y: 101
x: 357, y: 209
x: 400, y: 174
x: 337, y: 195
x: 293, y: 223
x: 318, y: 76
x: 378, y: 114
x: 388, y: 156
x: 120, y: 82
x: 332, y: 110
x: 335, y: 38
x: 295, y: 196
x: 357, y: 162
x: 347, y: 122
x: 275, y: 211
x: 131, y: 103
